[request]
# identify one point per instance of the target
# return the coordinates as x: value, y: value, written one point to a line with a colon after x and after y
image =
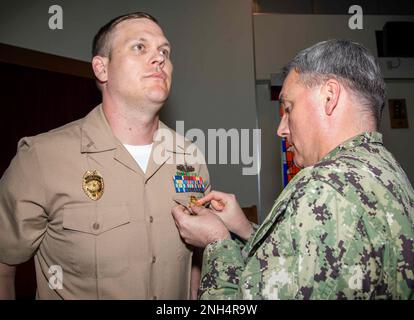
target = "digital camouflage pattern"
x: 341, y: 229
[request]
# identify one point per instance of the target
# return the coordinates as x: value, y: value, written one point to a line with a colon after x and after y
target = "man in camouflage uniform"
x: 343, y: 227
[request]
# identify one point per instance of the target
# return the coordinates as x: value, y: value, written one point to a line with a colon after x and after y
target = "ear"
x: 331, y: 91
x: 100, y: 68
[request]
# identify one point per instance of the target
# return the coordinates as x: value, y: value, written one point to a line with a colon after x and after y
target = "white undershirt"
x: 140, y: 154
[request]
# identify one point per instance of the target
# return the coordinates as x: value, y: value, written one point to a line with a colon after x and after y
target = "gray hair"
x: 348, y: 62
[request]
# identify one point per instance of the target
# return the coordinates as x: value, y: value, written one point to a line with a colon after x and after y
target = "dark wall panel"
x: 34, y: 101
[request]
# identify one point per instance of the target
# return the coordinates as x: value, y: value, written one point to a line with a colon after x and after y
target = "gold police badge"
x: 93, y: 184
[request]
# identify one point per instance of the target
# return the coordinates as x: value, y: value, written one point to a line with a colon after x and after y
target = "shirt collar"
x: 363, y: 138
x: 97, y: 135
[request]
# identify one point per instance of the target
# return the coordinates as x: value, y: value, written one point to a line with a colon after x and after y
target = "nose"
x: 283, y: 129
x: 158, y: 59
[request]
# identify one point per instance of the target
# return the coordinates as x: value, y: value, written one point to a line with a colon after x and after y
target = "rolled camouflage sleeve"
x: 243, y: 244
x: 222, y: 267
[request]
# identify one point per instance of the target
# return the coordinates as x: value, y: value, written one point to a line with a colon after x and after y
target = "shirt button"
x: 151, y: 219
x: 154, y: 259
x: 96, y: 226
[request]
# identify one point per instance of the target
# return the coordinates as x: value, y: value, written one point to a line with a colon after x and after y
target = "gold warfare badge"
x: 93, y: 184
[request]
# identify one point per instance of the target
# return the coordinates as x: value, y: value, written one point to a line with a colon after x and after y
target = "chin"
x: 158, y: 96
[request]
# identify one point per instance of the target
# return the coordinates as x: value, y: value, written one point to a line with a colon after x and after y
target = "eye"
x: 165, y: 52
x: 139, y: 47
x: 288, y: 109
x: 284, y: 108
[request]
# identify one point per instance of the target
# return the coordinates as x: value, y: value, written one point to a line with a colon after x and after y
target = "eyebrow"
x: 283, y: 99
x: 165, y: 44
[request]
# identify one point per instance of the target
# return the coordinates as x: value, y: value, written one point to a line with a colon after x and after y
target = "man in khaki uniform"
x: 91, y: 200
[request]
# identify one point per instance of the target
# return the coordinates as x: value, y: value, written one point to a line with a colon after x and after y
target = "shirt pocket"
x: 98, y: 239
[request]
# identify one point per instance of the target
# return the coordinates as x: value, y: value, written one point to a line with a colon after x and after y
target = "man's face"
x: 139, y: 68
x: 302, y: 120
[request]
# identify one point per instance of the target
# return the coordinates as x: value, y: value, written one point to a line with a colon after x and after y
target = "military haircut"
x: 101, y: 42
x: 348, y: 62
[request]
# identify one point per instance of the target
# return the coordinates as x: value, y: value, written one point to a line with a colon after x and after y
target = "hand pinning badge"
x: 93, y: 185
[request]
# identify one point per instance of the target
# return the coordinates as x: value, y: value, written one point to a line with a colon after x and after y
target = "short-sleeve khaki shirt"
x: 123, y: 245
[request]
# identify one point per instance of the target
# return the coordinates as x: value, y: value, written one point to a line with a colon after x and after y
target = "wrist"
x: 246, y: 231
x: 224, y: 235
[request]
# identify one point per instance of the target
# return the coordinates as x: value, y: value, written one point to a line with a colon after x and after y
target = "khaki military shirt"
x: 341, y: 229
x: 124, y: 245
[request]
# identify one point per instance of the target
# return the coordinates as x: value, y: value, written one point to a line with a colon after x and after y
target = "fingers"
x: 178, y: 212
x: 199, y: 210
x: 205, y: 199
x: 217, y: 205
x: 213, y: 195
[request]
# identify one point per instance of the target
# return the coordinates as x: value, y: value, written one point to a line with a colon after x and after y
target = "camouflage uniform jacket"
x: 341, y: 229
